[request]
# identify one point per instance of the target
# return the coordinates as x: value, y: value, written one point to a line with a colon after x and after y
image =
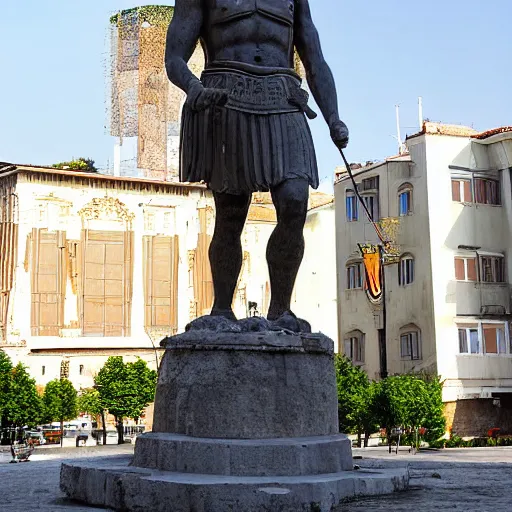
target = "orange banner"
x: 373, y: 283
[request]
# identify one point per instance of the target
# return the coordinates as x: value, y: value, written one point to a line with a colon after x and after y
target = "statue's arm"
x: 318, y: 73
x: 182, y: 37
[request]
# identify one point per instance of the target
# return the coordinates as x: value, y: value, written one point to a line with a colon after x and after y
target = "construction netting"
x: 143, y: 107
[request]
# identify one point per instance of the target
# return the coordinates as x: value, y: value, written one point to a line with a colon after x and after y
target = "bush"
x: 412, y: 402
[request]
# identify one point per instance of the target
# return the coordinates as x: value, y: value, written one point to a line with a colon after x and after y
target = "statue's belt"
x: 272, y: 94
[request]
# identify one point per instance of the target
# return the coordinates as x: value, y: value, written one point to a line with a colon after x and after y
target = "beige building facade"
x: 95, y: 265
x: 446, y: 204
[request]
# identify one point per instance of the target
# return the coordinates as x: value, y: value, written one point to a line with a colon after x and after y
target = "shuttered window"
x: 8, y: 249
x: 354, y: 348
x: 494, y: 338
x: 465, y: 269
x: 461, y: 191
x: 203, y: 282
x: 161, y: 258
x: 107, y: 282
x: 48, y: 276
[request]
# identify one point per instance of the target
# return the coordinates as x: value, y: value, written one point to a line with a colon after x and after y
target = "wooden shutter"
x: 456, y: 190
x: 491, y: 345
x: 460, y: 272
x: 48, y: 282
x: 107, y: 283
x: 161, y: 259
x: 468, y: 194
x: 8, y: 250
x: 203, y: 281
x: 471, y: 263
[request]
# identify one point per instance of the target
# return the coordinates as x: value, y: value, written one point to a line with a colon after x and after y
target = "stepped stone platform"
x: 244, y: 422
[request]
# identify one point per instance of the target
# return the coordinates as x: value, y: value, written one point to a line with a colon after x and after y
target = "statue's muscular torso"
x: 258, y: 32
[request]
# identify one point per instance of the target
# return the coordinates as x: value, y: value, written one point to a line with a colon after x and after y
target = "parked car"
x: 37, y: 438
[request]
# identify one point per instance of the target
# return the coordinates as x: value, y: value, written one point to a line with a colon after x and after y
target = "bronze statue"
x: 244, y: 128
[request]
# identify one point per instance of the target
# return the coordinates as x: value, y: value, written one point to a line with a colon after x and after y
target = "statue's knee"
x: 294, y: 206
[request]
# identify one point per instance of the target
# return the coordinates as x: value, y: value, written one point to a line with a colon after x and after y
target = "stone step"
x: 244, y: 457
x: 127, y: 488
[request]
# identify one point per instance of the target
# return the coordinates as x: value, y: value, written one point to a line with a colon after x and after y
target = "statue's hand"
x: 200, y: 98
x: 339, y: 133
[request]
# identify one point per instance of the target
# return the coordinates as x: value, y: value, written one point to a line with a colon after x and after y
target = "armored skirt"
x: 253, y: 143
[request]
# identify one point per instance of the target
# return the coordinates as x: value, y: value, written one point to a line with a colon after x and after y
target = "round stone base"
x: 129, y: 489
x: 244, y: 457
x: 252, y: 385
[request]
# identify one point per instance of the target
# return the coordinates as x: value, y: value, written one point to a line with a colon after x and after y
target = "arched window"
x: 406, y: 270
x: 351, y: 206
x: 405, y: 199
x: 354, y: 275
x: 354, y: 346
x: 410, y: 343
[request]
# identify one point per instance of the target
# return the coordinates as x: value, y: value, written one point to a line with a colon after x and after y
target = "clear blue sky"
x: 456, y: 54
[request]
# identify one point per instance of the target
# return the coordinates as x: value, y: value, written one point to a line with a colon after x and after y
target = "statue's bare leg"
x: 286, y: 245
x: 226, y: 249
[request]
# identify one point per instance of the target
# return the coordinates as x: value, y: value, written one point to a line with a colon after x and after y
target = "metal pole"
x: 383, y: 347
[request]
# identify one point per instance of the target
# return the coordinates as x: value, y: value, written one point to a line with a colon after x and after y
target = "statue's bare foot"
x: 290, y: 322
x: 224, y: 313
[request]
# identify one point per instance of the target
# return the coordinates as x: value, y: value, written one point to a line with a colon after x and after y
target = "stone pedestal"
x: 243, y: 421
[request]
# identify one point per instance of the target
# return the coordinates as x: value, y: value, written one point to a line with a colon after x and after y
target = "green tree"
x: 88, y: 402
x: 24, y: 405
x: 5, y: 382
x: 356, y: 396
x: 412, y: 401
x: 435, y: 421
x: 60, y: 402
x: 125, y: 389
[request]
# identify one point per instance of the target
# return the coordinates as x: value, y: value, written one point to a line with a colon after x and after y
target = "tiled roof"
x: 494, y: 131
x: 259, y: 213
x: 453, y: 130
x: 316, y: 199
x: 8, y: 169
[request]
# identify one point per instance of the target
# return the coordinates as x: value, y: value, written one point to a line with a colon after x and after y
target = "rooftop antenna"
x: 420, y: 111
x: 401, y: 147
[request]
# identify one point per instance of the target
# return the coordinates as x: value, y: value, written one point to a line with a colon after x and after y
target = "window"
x: 406, y: 270
x: 410, y: 345
x: 492, y: 269
x: 81, y: 369
x: 352, y: 206
x: 354, y: 276
x: 371, y: 183
x: 494, y: 338
x: 465, y: 268
x: 354, y: 348
x: 43, y: 370
x: 372, y: 204
x: 469, y: 342
x: 48, y: 282
x: 405, y: 200
x: 461, y: 190
x: 107, y: 289
x: 161, y: 260
x: 487, y: 191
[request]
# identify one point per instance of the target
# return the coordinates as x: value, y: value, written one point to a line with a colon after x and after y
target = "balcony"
x: 475, y: 299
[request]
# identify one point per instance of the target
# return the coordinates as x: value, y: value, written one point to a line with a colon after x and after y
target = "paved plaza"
x: 469, y: 480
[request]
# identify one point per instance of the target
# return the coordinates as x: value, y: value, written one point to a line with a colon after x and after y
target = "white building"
x: 94, y: 265
x: 315, y: 293
x: 448, y: 298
